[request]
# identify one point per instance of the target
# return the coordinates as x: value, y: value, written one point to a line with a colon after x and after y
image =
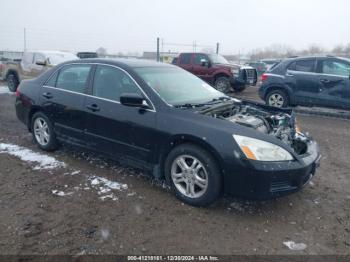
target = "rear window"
x: 303, y: 65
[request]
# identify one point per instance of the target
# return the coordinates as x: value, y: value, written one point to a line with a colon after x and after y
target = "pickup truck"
x: 217, y: 71
x: 32, y: 65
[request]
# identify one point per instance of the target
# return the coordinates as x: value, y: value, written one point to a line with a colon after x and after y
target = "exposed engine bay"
x: 277, y: 122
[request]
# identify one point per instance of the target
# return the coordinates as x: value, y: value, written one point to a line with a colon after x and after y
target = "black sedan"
x: 162, y: 119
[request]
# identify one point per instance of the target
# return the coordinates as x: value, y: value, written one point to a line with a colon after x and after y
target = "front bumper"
x: 265, y: 180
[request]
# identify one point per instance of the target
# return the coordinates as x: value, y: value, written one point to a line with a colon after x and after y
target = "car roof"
x: 313, y: 57
x: 130, y: 62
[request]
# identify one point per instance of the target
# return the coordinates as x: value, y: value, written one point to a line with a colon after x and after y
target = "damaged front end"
x: 280, y: 123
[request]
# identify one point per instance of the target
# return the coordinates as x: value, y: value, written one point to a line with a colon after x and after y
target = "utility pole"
x: 158, y: 55
x: 194, y: 46
x: 24, y: 39
x: 217, y: 47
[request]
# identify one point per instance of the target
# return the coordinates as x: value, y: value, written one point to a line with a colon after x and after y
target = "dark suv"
x: 309, y: 81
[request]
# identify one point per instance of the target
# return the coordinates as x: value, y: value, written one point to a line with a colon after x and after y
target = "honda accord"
x: 166, y: 121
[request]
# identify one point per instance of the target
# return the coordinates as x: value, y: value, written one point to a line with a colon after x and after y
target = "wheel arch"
x: 181, y: 139
x: 282, y: 88
x: 32, y: 111
x: 220, y: 74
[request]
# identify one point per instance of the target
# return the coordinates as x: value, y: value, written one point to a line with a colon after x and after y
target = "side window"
x: 292, y: 66
x: 110, y: 83
x: 73, y: 78
x: 52, y: 80
x: 305, y: 65
x: 199, y: 57
x: 185, y: 59
x: 336, y: 67
x: 39, y: 57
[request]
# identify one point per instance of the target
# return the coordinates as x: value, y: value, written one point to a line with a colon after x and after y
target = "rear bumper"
x: 267, y: 180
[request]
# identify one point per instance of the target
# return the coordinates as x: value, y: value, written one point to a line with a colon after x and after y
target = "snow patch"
x: 41, y: 161
x: 105, y: 186
x: 104, y: 183
x: 61, y: 193
x: 295, y: 246
x: 5, y: 90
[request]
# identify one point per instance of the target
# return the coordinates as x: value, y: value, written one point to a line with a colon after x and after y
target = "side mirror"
x: 40, y: 63
x: 204, y: 63
x: 134, y: 100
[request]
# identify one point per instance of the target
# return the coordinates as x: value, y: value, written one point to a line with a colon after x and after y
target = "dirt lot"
x: 146, y: 218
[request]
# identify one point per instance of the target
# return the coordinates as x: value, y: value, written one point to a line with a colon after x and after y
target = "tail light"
x: 18, y: 94
x: 264, y: 77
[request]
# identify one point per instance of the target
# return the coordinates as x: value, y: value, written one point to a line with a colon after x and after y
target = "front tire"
x: 12, y: 82
x: 43, y: 133
x: 193, y: 174
x: 277, y: 98
x: 223, y: 84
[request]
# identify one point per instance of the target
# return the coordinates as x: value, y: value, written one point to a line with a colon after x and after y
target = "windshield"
x: 57, y: 58
x: 177, y: 86
x: 218, y: 59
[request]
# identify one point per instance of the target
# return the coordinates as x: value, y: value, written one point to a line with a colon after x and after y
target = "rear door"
x: 62, y: 99
x: 112, y: 128
x: 335, y: 82
x: 303, y: 80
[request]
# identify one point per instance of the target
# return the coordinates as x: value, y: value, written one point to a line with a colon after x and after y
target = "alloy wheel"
x: 221, y: 86
x: 41, y: 131
x: 189, y: 176
x: 276, y: 100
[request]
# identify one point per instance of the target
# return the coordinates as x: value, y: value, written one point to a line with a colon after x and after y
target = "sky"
x: 134, y: 25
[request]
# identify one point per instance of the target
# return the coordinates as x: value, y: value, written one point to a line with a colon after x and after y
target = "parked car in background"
x: 217, y: 71
x: 167, y: 121
x: 260, y: 67
x: 308, y: 81
x: 85, y: 55
x: 32, y: 64
x: 2, y: 66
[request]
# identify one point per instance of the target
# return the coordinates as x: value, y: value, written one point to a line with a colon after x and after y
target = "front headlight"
x: 256, y: 149
x: 235, y: 71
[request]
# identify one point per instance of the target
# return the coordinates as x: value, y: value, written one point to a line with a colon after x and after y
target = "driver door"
x: 120, y: 131
x: 199, y: 69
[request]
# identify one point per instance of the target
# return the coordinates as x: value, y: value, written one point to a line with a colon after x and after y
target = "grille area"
x: 281, y: 186
x: 250, y: 76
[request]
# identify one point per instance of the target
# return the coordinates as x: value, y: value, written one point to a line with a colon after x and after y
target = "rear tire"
x: 193, y: 175
x: 12, y: 82
x: 223, y: 84
x: 43, y: 132
x: 277, y: 98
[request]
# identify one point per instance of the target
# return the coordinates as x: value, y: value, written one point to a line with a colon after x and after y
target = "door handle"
x: 47, y: 95
x: 93, y: 107
x: 325, y: 81
x: 289, y: 74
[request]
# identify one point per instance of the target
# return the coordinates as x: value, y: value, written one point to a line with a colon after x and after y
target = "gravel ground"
x: 65, y: 210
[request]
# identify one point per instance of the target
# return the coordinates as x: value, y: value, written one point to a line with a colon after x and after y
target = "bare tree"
x: 101, y: 51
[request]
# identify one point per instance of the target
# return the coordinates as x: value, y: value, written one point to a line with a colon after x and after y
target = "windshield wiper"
x: 216, y: 100
x: 189, y: 105
x: 221, y: 98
